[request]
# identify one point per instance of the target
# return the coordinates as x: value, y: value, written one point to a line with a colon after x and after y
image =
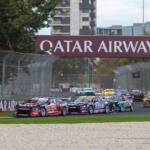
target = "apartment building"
x: 74, y: 17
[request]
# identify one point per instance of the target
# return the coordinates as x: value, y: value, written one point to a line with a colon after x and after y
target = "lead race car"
x: 89, y: 105
x: 41, y: 107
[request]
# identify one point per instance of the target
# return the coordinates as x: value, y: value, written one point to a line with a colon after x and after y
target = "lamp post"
x: 143, y: 12
x: 143, y: 19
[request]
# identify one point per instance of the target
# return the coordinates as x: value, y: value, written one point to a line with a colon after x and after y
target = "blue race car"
x: 89, y: 105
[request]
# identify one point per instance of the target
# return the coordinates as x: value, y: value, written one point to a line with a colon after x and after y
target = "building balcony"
x: 87, y: 6
x: 59, y: 32
x: 61, y: 16
x: 59, y: 24
x: 92, y: 24
x: 86, y: 32
x: 92, y: 15
x: 62, y: 7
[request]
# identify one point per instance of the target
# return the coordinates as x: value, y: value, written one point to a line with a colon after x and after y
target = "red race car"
x: 41, y: 107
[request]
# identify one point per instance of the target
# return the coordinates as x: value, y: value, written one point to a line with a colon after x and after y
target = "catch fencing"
x: 83, y: 80
x: 25, y: 75
x: 136, y: 76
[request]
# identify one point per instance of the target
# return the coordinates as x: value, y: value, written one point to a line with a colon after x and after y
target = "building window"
x: 85, y: 19
x: 85, y: 10
x: 85, y: 27
x: 85, y: 1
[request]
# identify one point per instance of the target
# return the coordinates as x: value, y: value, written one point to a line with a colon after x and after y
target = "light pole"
x: 143, y: 19
x: 143, y: 12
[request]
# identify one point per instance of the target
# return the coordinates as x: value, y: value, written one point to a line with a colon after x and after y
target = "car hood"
x: 77, y: 104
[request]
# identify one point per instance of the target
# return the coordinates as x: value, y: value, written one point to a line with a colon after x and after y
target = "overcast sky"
x: 118, y: 12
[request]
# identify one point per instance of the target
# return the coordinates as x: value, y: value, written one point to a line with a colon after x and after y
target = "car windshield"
x: 82, y: 100
x: 36, y: 101
x: 41, y: 101
x: 118, y: 98
x: 107, y: 99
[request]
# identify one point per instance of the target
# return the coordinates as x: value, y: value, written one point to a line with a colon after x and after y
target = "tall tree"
x: 20, y: 20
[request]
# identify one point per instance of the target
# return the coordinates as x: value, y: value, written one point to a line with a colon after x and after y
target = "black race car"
x: 137, y: 95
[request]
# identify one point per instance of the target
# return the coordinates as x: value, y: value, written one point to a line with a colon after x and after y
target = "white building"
x: 74, y: 17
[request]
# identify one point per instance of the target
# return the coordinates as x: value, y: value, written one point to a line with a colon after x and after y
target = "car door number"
x: 99, y: 105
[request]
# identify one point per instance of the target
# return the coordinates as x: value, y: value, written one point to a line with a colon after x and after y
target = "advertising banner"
x: 94, y: 46
x: 8, y: 105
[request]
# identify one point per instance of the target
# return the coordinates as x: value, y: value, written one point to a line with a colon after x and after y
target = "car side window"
x: 52, y: 101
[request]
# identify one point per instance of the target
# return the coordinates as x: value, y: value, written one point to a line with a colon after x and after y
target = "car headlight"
x: 35, y: 109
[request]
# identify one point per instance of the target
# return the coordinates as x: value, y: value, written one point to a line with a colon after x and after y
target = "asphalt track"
x: 139, y: 109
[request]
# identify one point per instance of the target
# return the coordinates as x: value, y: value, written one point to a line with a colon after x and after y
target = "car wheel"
x: 90, y: 110
x: 131, y: 108
x: 112, y: 109
x: 107, y: 109
x: 122, y: 109
x: 64, y: 112
x: 43, y: 112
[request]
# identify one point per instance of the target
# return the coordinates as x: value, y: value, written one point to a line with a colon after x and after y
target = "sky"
x: 118, y: 12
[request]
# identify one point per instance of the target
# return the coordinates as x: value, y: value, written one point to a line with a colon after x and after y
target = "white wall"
x: 74, y: 17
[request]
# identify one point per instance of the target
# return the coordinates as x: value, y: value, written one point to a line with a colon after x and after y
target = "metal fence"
x: 25, y: 75
x: 136, y: 76
x: 86, y: 80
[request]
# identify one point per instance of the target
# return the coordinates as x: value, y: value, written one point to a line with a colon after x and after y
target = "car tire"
x: 64, y: 112
x: 43, y: 112
x: 132, y: 108
x: 107, y: 109
x: 122, y: 109
x: 90, y: 110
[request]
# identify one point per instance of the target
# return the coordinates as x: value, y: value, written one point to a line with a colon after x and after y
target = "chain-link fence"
x: 25, y: 75
x: 136, y: 76
x: 80, y: 80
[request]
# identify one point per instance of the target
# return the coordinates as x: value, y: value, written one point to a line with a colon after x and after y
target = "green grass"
x: 6, y: 114
x: 71, y: 120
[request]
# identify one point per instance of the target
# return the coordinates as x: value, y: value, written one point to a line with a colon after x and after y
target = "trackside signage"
x: 94, y: 46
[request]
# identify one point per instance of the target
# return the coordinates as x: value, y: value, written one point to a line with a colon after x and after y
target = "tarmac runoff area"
x: 90, y: 136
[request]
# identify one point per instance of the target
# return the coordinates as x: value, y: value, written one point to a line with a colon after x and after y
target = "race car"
x: 121, y: 104
x: 41, y: 107
x: 146, y: 101
x: 89, y: 105
x: 137, y: 95
x: 108, y: 92
x: 88, y: 92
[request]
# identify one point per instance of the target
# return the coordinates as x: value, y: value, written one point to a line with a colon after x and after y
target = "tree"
x: 20, y: 20
x: 70, y: 66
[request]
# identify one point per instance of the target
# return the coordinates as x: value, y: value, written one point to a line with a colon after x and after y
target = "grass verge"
x: 71, y: 120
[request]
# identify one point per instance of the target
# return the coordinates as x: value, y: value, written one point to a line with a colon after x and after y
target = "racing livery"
x: 146, y: 101
x: 108, y: 92
x: 122, y: 104
x: 88, y: 105
x: 41, y: 107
